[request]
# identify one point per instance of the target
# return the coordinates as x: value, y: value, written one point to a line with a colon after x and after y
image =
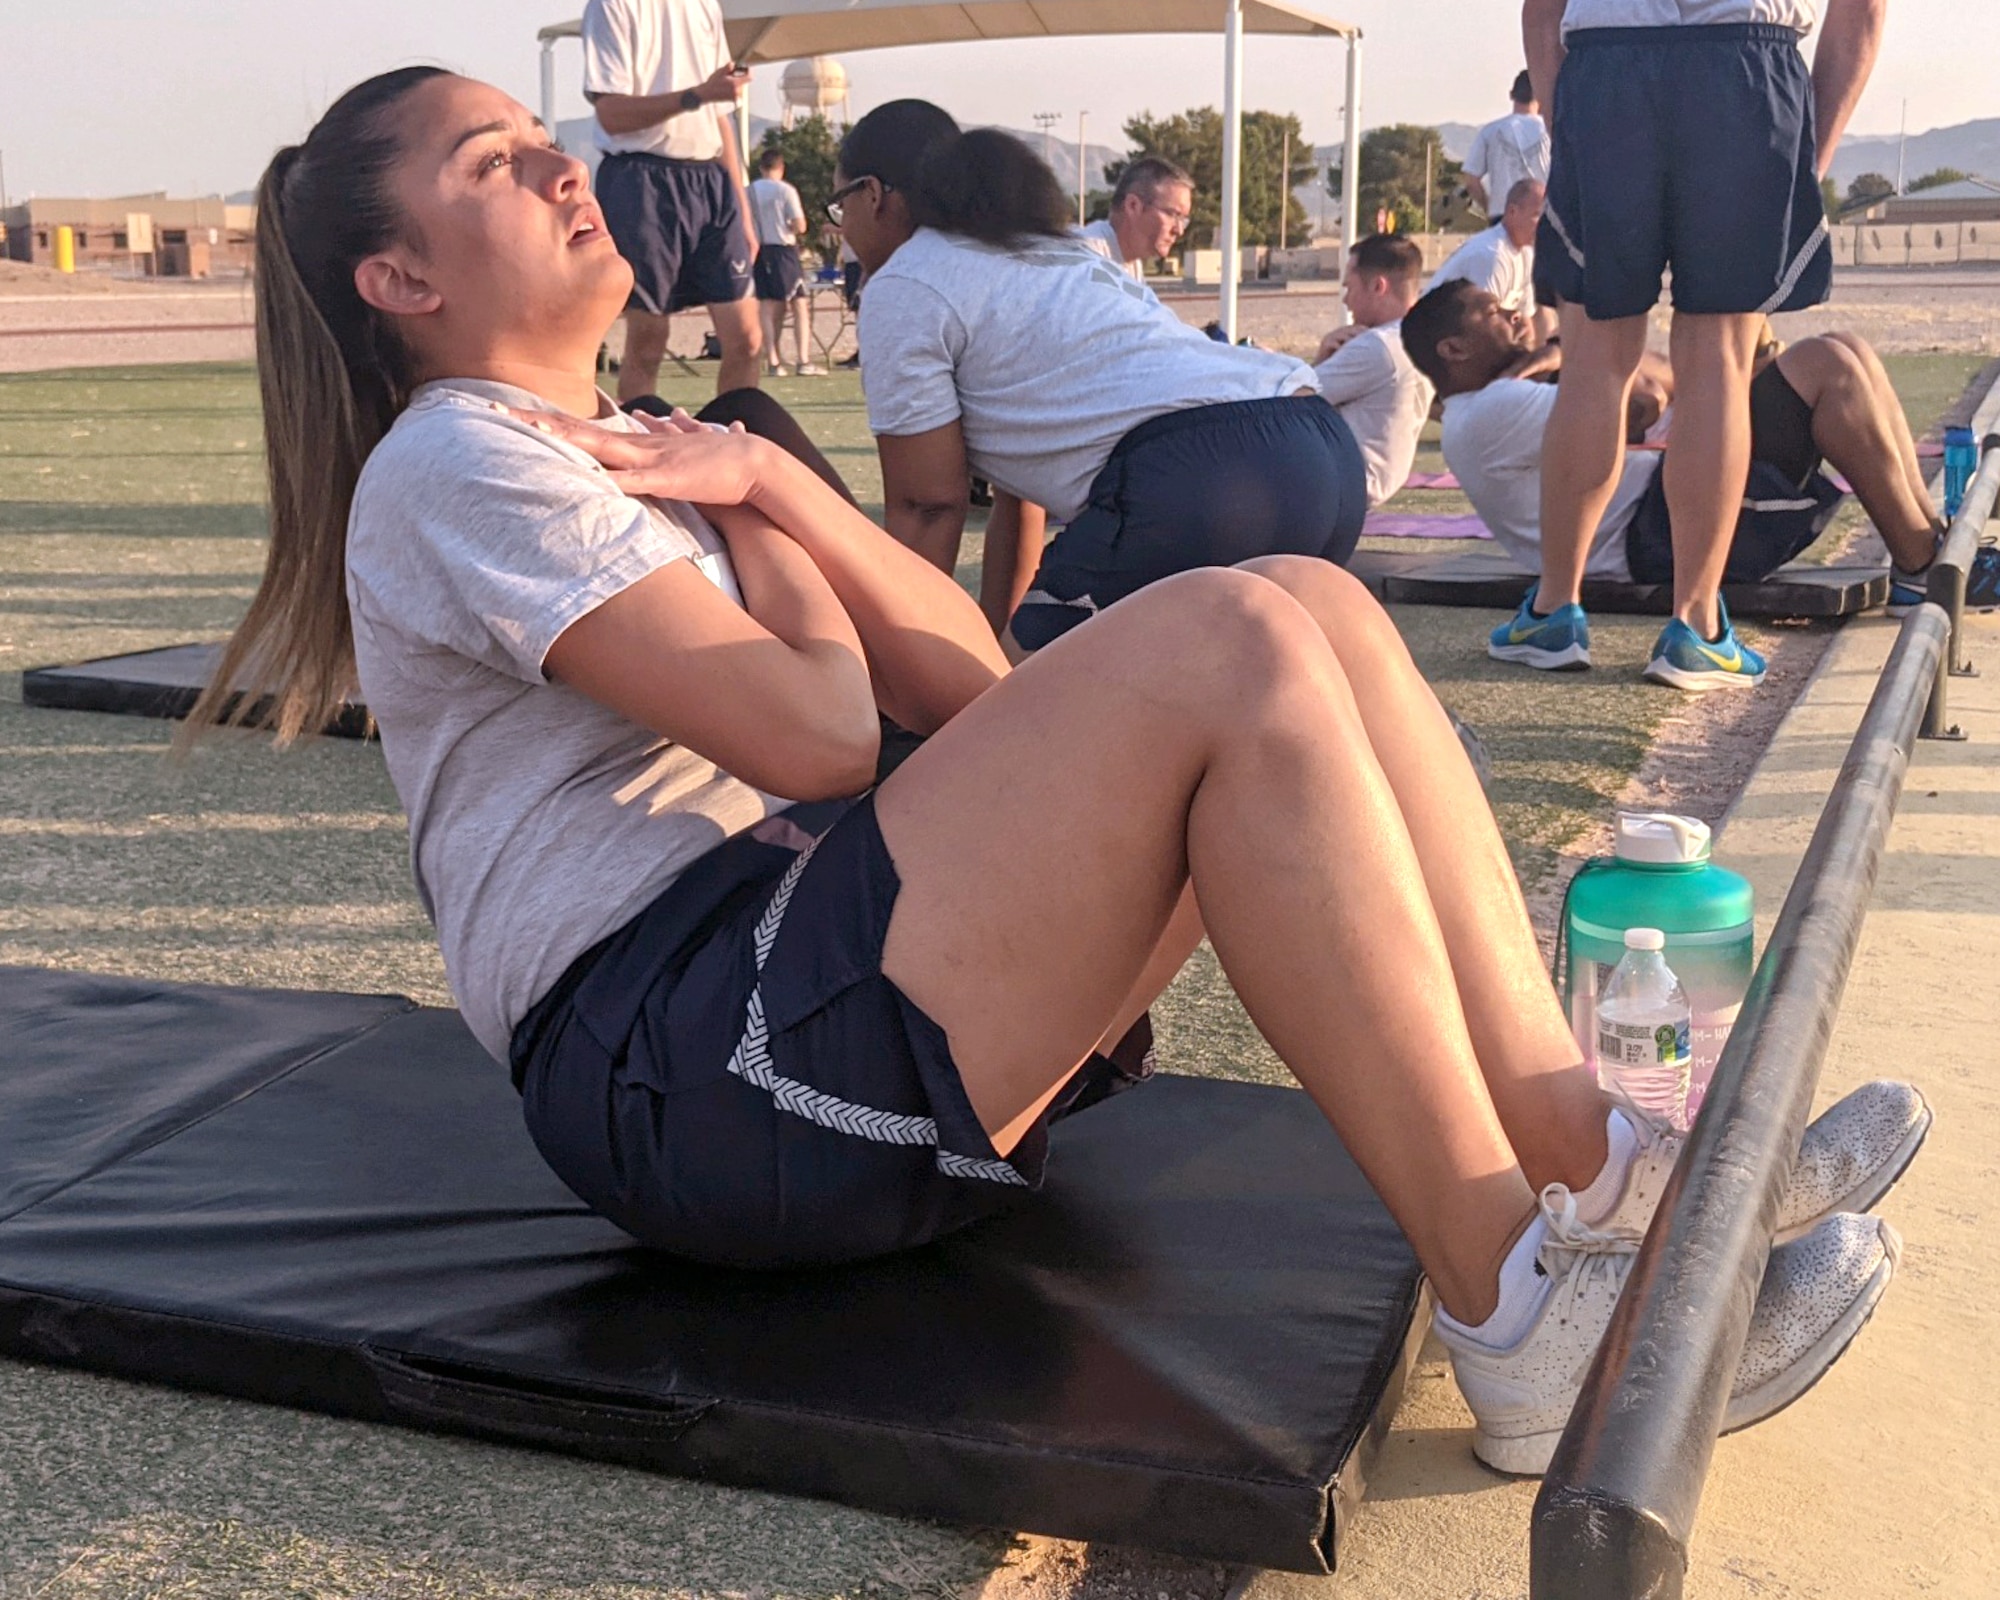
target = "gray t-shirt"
x: 1047, y: 355
x: 540, y: 821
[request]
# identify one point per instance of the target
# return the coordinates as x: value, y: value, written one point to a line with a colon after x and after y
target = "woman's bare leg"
x: 1204, y: 730
x: 1547, y: 1098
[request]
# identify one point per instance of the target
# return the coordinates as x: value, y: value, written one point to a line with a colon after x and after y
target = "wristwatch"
x: 690, y: 99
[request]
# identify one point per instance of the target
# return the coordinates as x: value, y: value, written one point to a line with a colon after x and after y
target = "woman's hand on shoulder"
x: 675, y: 458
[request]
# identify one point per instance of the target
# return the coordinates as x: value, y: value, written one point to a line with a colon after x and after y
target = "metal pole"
x: 1082, y: 184
x: 1428, y: 148
x: 1617, y: 1508
x: 549, y: 85
x: 1945, y: 587
x: 1350, y: 171
x: 1232, y: 163
x: 1284, y: 185
x: 743, y: 131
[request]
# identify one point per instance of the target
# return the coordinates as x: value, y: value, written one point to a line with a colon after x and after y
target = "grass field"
x: 131, y: 517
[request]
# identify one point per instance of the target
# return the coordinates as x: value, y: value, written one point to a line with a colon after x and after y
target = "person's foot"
x: 1908, y: 590
x: 778, y: 372
x: 811, y: 370
x: 1816, y: 1294
x: 1558, y: 642
x: 1851, y: 1156
x: 1683, y: 659
x: 850, y: 363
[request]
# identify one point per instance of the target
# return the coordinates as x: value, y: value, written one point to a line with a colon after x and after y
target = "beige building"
x: 149, y: 235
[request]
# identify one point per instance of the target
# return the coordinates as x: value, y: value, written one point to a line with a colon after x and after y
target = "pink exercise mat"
x: 1424, y: 525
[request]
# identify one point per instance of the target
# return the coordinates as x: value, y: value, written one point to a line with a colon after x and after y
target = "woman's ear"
x: 389, y: 281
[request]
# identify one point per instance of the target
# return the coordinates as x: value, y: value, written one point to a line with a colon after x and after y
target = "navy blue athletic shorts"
x: 778, y: 274
x: 730, y: 1078
x: 680, y: 225
x: 1787, y: 502
x: 1206, y: 487
x: 1690, y: 149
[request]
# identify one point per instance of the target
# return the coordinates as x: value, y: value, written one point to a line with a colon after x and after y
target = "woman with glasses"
x: 993, y: 341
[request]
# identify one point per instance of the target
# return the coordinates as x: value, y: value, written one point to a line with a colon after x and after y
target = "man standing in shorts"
x: 1689, y: 135
x: 1507, y: 150
x: 658, y: 73
x: 780, y: 277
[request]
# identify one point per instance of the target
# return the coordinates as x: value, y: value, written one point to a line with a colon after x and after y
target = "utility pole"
x: 1082, y: 183
x: 1430, y: 148
x: 3, y: 180
x: 1046, y: 120
x: 1284, y: 185
x: 1902, y: 145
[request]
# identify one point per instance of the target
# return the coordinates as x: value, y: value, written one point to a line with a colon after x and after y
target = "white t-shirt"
x: 1103, y: 238
x: 540, y: 820
x: 1493, y: 445
x: 778, y: 210
x: 1507, y: 150
x: 645, y: 47
x: 1371, y: 382
x: 1494, y: 262
x: 1802, y: 15
x: 1048, y: 356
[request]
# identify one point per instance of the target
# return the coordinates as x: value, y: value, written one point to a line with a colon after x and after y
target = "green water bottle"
x: 1662, y: 877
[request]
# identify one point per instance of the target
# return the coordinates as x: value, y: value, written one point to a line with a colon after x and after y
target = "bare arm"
x: 1015, y: 533
x: 628, y: 113
x: 925, y: 479
x: 1541, y: 33
x: 1849, y: 40
x: 1475, y: 186
x: 732, y: 163
x: 775, y: 692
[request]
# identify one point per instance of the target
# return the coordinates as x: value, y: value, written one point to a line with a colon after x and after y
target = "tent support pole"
x: 743, y: 134
x: 1350, y: 161
x: 1232, y: 163
x: 549, y: 86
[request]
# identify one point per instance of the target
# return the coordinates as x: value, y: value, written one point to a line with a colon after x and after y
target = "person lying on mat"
x: 991, y: 336
x: 1823, y: 400
x: 1363, y: 371
x: 763, y: 1012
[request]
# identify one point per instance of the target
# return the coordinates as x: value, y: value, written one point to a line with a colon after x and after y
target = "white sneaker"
x: 1817, y: 1293
x: 777, y: 372
x: 1848, y: 1160
x: 1521, y: 1398
x: 812, y: 370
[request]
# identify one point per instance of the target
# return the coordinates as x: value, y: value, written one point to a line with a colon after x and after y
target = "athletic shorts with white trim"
x: 1690, y: 149
x: 730, y: 1077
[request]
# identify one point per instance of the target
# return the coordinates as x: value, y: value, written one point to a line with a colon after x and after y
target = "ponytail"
x: 986, y: 185
x: 332, y: 376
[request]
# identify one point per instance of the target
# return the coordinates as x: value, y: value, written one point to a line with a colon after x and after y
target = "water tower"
x: 813, y: 84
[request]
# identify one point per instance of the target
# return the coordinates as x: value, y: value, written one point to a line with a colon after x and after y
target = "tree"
x: 1829, y: 197
x: 1938, y: 178
x: 1194, y: 140
x: 1866, y: 190
x: 809, y: 147
x: 1393, y: 161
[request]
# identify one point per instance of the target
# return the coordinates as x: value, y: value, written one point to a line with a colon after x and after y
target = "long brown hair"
x: 333, y: 376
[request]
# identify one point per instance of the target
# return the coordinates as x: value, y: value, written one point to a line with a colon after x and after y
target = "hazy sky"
x: 121, y: 96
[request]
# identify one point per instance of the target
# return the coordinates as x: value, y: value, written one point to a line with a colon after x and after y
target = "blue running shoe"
x: 1559, y: 642
x: 1685, y: 660
x: 1982, y: 584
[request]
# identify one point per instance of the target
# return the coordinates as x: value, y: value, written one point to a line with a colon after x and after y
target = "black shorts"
x: 778, y: 273
x: 1206, y: 487
x: 1787, y: 502
x: 680, y: 225
x: 1690, y: 148
x: 730, y: 1077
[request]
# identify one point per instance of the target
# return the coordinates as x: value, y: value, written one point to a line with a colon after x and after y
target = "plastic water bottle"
x: 1642, y: 1030
x: 1662, y: 877
x: 1961, y: 461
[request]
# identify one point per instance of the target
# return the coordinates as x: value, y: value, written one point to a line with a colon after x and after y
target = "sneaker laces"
x: 1576, y: 1257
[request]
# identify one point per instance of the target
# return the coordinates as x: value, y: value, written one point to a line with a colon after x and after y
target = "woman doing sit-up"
x: 993, y: 338
x: 628, y: 679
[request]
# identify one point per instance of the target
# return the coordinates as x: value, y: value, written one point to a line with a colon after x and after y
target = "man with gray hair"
x: 1150, y: 208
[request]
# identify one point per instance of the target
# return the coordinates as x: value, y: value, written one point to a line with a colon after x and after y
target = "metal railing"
x: 1617, y: 1507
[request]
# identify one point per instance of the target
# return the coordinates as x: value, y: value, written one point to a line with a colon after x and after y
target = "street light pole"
x: 1046, y: 120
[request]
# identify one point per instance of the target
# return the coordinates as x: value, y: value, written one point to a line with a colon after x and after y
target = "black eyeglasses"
x: 834, y: 206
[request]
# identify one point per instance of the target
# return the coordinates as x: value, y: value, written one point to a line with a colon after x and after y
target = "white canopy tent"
x: 762, y: 31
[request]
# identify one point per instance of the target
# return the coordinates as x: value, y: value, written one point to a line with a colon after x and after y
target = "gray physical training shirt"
x: 540, y: 821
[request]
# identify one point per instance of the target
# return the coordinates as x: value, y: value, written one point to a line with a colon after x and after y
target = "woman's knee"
x: 1228, y: 621
x: 1351, y: 618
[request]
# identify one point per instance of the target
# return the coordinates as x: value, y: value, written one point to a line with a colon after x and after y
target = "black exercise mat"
x: 1489, y: 580
x: 1189, y: 1342
x: 149, y: 683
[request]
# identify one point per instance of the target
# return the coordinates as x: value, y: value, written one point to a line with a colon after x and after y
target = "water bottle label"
x: 1638, y: 1044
